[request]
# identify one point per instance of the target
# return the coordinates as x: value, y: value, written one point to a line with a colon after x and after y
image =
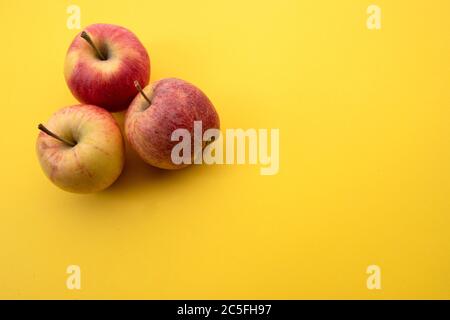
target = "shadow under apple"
x: 139, y: 177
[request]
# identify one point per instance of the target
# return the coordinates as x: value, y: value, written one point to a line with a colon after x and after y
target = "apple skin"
x: 106, y: 83
x: 175, y: 104
x: 96, y: 160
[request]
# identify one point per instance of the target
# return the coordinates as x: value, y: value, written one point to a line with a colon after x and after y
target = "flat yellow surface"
x: 364, y: 119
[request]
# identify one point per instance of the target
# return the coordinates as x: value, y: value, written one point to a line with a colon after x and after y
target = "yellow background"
x: 364, y: 148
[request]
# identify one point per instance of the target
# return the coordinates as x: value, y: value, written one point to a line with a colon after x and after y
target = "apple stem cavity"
x: 51, y: 134
x: 86, y: 37
x: 139, y: 88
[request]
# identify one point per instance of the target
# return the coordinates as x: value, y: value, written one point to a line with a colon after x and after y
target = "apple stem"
x: 51, y: 134
x: 139, y: 88
x: 86, y: 37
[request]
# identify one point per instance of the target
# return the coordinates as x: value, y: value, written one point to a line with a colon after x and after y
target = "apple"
x: 81, y: 149
x: 102, y: 63
x: 159, y: 110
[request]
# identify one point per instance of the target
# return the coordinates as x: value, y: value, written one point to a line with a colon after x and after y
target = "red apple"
x: 102, y: 63
x: 160, y: 109
x: 81, y: 149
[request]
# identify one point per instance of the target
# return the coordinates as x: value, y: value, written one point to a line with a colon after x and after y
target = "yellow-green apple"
x: 81, y: 149
x: 102, y: 63
x: 161, y: 108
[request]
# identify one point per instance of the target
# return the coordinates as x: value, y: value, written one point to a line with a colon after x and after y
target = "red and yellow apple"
x: 161, y: 108
x: 102, y: 64
x: 81, y: 149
